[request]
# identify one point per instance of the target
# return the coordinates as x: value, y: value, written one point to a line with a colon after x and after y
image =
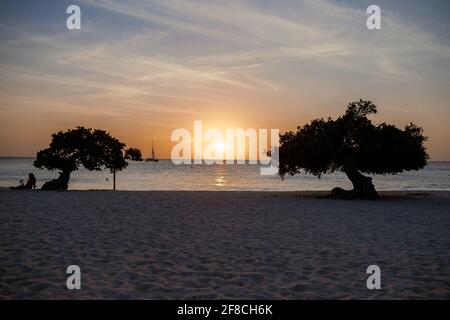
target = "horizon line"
x: 192, y: 159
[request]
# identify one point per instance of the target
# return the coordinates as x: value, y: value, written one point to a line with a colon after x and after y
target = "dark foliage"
x: 133, y: 154
x: 352, y: 144
x: 92, y: 149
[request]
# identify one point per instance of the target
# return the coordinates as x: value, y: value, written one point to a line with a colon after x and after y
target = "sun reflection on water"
x: 220, y: 179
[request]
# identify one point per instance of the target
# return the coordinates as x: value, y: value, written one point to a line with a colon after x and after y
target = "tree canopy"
x: 352, y: 144
x: 133, y: 154
x: 91, y: 148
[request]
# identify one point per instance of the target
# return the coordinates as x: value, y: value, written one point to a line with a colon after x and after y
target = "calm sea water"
x: 164, y: 175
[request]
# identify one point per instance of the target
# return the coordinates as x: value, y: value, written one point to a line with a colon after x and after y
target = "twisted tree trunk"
x: 60, y: 184
x: 363, y: 187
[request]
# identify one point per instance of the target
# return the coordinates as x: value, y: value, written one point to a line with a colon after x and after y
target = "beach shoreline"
x: 223, y: 245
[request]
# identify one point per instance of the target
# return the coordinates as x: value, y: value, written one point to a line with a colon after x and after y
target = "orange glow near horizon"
x: 156, y: 72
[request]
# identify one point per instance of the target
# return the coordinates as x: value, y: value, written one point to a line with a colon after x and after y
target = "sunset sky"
x: 140, y: 69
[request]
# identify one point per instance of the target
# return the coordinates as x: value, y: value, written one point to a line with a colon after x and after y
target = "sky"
x: 141, y: 69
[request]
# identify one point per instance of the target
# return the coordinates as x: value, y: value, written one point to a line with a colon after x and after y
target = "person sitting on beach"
x: 31, y: 183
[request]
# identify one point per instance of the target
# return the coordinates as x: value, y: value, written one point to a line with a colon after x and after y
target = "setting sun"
x: 219, y: 147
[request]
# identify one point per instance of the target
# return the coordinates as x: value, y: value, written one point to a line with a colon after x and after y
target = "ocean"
x: 164, y: 175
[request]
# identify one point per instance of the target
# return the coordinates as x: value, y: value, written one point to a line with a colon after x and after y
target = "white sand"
x: 152, y: 245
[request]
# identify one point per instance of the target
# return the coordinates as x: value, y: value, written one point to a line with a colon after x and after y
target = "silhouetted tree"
x: 352, y: 144
x: 133, y: 154
x: 92, y: 149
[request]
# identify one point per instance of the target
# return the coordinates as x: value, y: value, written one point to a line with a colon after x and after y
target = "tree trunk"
x: 114, y: 180
x: 363, y: 187
x: 60, y: 184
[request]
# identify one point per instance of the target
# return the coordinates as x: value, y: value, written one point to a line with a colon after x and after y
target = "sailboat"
x: 152, y: 158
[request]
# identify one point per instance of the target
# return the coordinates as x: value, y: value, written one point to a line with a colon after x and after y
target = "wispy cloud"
x: 185, y: 57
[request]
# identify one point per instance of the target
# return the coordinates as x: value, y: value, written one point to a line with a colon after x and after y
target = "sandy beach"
x: 230, y: 245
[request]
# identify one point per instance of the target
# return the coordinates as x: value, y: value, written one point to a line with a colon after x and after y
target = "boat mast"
x: 153, y: 152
